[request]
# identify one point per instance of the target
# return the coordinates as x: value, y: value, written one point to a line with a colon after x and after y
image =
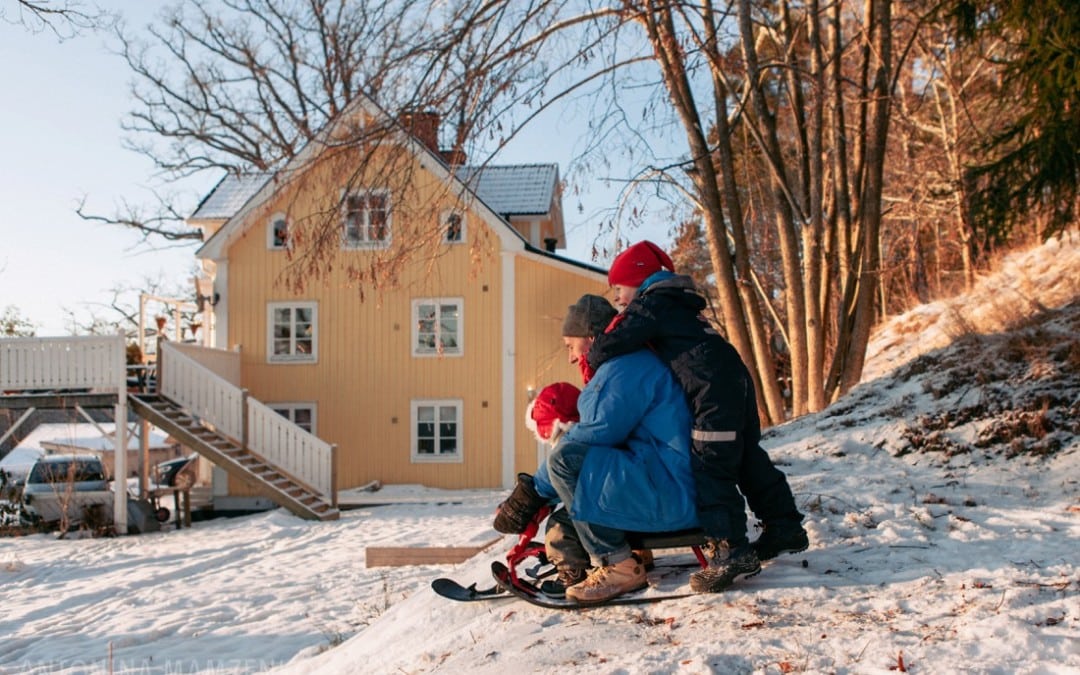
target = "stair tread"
x: 294, y: 496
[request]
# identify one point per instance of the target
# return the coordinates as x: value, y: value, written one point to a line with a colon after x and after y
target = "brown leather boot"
x: 605, y: 583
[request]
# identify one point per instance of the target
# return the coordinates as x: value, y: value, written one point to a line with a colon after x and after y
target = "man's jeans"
x: 605, y: 545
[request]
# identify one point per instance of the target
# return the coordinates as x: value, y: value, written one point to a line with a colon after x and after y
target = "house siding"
x: 544, y: 291
x: 366, y: 378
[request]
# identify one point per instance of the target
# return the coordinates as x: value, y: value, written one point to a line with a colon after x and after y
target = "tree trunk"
x: 880, y: 25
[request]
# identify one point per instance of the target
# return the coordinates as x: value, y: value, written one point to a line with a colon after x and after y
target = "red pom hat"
x: 553, y: 411
x: 637, y: 263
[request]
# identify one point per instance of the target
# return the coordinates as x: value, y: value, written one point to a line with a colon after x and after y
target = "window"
x: 367, y: 219
x: 453, y: 223
x: 437, y: 327
x: 277, y: 232
x: 293, y: 332
x: 300, y: 414
x: 436, y: 429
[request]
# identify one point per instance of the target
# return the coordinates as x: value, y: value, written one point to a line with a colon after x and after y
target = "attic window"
x: 367, y: 219
x: 453, y: 224
x: 277, y: 232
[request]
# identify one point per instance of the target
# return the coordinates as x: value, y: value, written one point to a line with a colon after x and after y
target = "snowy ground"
x: 942, y: 500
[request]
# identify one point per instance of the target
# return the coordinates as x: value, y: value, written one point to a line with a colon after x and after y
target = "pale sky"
x: 60, y: 140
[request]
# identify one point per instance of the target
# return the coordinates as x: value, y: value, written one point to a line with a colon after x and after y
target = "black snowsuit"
x: 665, y: 315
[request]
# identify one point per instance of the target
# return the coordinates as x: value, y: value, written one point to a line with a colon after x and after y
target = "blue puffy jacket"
x: 636, y: 475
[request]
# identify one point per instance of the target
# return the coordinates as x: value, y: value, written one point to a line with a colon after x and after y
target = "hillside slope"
x: 943, y: 501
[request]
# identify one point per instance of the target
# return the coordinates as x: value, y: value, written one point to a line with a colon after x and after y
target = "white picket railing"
x: 94, y: 362
x: 207, y: 396
x: 300, y: 453
x: 221, y: 404
x: 84, y: 362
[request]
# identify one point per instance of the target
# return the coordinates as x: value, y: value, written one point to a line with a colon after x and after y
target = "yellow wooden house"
x: 424, y: 380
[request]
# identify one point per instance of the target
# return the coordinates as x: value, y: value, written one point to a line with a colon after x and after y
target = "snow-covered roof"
x: 510, y: 190
x: 83, y: 437
x: 231, y: 193
x: 522, y: 189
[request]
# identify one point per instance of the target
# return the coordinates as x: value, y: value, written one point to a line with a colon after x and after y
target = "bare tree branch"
x: 64, y: 18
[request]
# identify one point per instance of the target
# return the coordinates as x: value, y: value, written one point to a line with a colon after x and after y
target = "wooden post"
x: 333, y: 476
x: 159, y: 367
x: 144, y: 458
x: 120, y: 437
x: 244, y: 419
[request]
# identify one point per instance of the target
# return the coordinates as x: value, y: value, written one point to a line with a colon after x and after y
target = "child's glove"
x: 515, y: 514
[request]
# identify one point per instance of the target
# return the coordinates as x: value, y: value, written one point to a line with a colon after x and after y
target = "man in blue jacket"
x: 625, y: 466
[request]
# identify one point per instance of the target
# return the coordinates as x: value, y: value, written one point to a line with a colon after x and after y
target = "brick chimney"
x: 453, y: 157
x: 424, y: 125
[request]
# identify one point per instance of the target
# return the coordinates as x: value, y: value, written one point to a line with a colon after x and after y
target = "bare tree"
x: 768, y: 119
x: 242, y: 86
x: 784, y: 110
x: 64, y: 18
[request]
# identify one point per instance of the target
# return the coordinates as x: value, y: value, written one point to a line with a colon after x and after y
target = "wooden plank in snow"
x: 398, y: 556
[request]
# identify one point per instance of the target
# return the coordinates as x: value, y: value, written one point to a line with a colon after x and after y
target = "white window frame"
x: 438, y: 352
x: 444, y: 225
x: 458, y: 456
x: 292, y: 356
x: 271, y: 242
x: 291, y: 407
x: 364, y: 242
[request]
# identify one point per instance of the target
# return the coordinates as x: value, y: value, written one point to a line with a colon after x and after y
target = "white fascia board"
x: 568, y: 266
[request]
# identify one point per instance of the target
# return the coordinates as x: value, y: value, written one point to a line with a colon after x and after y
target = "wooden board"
x: 398, y: 556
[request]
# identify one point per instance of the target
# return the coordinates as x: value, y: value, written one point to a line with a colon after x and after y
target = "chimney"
x: 424, y: 125
x: 549, y: 244
x: 454, y: 157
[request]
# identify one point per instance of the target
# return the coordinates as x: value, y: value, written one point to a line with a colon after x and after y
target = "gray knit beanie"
x: 588, y: 317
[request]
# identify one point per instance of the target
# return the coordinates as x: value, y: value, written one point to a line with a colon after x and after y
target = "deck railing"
x: 231, y: 411
x: 97, y: 363
x: 84, y: 362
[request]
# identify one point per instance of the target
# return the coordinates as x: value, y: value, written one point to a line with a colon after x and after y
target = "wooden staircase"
x: 239, y: 462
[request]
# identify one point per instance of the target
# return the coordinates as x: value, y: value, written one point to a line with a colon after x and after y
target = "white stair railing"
x: 300, y: 453
x: 206, y: 395
x: 220, y: 403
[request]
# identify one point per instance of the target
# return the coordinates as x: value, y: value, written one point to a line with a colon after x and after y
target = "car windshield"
x: 66, y: 470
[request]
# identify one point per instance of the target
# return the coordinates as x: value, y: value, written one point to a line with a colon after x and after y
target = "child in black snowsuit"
x: 663, y: 311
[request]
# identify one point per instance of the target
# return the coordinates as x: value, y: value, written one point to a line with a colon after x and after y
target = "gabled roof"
x: 234, y: 191
x: 510, y: 190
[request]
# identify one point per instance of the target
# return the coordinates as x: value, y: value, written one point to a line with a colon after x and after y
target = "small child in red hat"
x: 662, y: 310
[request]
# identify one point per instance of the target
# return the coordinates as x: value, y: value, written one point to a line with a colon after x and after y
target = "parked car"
x: 74, y: 486
x: 177, y: 472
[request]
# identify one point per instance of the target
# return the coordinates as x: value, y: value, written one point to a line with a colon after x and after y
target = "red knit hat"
x: 554, y: 408
x: 637, y: 263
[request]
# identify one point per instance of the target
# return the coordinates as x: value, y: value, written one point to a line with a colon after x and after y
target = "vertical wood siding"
x: 544, y: 292
x: 366, y: 376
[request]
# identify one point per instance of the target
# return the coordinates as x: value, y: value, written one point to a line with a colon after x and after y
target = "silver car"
x: 66, y: 489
